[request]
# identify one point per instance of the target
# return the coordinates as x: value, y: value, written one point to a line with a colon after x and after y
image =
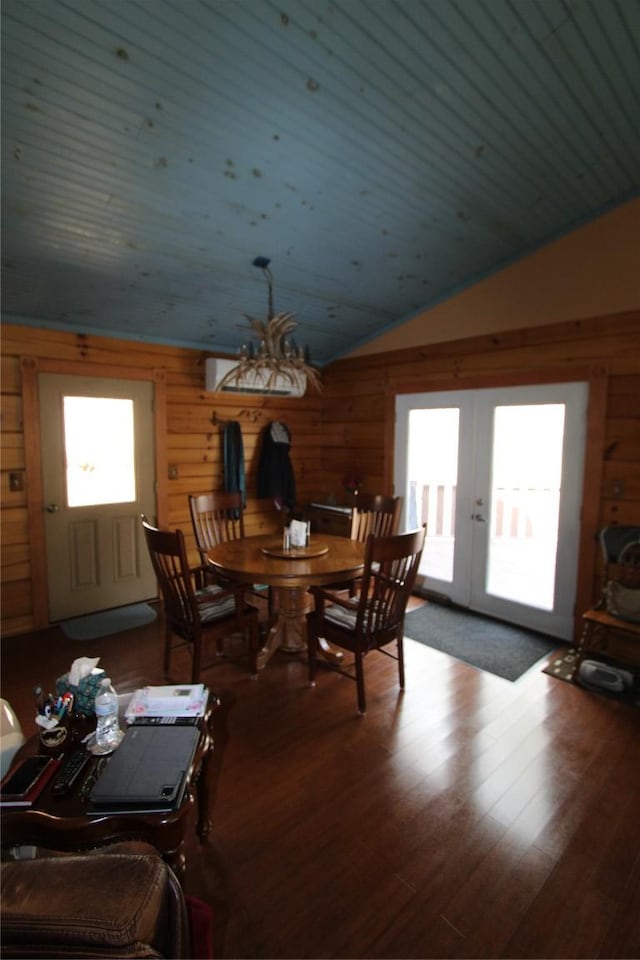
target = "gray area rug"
x: 109, y: 621
x: 499, y: 648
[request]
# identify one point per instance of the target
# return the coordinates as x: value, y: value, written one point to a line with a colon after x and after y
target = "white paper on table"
x: 298, y: 531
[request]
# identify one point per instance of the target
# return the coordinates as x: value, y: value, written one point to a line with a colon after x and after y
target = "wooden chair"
x: 217, y: 518
x: 377, y: 514
x: 612, y: 626
x: 196, y: 612
x: 375, y: 618
x: 372, y: 513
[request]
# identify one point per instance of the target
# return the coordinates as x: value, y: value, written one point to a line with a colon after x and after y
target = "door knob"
x: 52, y: 508
x: 478, y: 517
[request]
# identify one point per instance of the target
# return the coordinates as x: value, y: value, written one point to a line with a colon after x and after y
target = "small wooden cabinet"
x: 329, y: 519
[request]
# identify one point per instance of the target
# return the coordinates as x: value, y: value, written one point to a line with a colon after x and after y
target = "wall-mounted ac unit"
x: 216, y: 369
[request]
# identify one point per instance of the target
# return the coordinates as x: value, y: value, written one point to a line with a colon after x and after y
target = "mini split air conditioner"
x: 261, y: 383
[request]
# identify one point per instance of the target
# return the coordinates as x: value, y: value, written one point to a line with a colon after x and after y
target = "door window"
x: 525, y: 503
x: 99, y: 451
x: 433, y: 477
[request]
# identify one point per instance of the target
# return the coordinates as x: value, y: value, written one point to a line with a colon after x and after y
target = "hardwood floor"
x: 467, y: 817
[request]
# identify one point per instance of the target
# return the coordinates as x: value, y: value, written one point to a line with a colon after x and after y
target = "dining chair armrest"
x: 323, y: 596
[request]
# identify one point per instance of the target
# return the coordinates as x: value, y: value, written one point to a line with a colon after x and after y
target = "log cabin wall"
x: 359, y: 402
x: 347, y: 431
x: 189, y: 455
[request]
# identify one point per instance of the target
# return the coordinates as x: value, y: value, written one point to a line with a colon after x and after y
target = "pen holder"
x: 54, y: 741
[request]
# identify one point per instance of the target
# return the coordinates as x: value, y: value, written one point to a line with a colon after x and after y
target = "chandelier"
x: 276, y: 356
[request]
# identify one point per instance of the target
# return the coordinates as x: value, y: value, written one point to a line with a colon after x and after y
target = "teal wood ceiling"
x: 384, y: 154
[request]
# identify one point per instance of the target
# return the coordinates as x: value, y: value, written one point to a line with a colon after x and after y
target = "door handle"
x: 52, y: 508
x: 478, y: 517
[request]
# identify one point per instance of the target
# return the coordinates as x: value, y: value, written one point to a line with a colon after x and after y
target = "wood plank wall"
x: 359, y: 402
x: 192, y: 454
x: 349, y: 430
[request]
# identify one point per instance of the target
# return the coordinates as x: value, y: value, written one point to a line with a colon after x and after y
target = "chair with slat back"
x: 218, y: 517
x: 373, y: 619
x: 372, y: 513
x: 194, y: 611
x: 612, y: 626
x: 377, y: 514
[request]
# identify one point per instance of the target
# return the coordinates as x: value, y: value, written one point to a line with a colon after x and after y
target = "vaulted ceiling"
x: 384, y: 154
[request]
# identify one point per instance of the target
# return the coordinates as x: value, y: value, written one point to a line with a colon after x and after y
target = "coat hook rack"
x: 246, y: 413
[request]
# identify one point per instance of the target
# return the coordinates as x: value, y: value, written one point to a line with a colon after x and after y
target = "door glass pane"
x: 525, y: 501
x: 431, y: 488
x: 99, y: 451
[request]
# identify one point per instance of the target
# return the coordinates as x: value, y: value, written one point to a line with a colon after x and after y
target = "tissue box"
x: 84, y: 694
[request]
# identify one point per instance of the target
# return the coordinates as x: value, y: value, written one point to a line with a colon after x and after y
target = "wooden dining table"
x: 263, y: 559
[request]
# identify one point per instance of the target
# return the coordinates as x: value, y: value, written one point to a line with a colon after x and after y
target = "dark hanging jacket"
x: 233, y: 454
x: 275, y: 473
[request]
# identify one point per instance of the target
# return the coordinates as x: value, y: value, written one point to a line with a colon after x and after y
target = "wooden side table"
x: 64, y: 823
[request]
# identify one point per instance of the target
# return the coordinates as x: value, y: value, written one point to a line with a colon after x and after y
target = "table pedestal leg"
x: 289, y: 632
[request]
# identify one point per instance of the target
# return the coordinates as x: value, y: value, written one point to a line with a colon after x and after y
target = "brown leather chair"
x: 93, y: 905
x: 194, y: 611
x: 375, y: 618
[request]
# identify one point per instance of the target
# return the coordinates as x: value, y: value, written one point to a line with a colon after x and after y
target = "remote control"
x: 70, y: 772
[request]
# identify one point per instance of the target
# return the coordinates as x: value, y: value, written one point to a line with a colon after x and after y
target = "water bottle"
x: 108, y: 732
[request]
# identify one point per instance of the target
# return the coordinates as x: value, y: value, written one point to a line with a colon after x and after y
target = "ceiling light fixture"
x: 276, y: 356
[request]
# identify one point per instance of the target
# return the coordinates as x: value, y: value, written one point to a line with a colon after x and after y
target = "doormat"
x: 491, y: 645
x: 563, y: 665
x: 109, y: 621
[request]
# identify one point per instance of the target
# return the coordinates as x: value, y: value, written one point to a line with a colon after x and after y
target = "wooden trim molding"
x: 160, y: 414
x: 591, y: 490
x: 495, y: 380
x: 35, y: 492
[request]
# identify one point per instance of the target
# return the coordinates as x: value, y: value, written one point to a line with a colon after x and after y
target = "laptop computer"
x: 147, y: 772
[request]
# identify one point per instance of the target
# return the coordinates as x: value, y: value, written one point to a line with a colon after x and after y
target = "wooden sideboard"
x: 326, y: 518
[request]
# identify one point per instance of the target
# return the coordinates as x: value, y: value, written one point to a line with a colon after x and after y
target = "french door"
x: 497, y: 477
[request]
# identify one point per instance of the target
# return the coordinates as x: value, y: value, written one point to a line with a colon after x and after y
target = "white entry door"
x: 97, y: 439
x: 497, y: 477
